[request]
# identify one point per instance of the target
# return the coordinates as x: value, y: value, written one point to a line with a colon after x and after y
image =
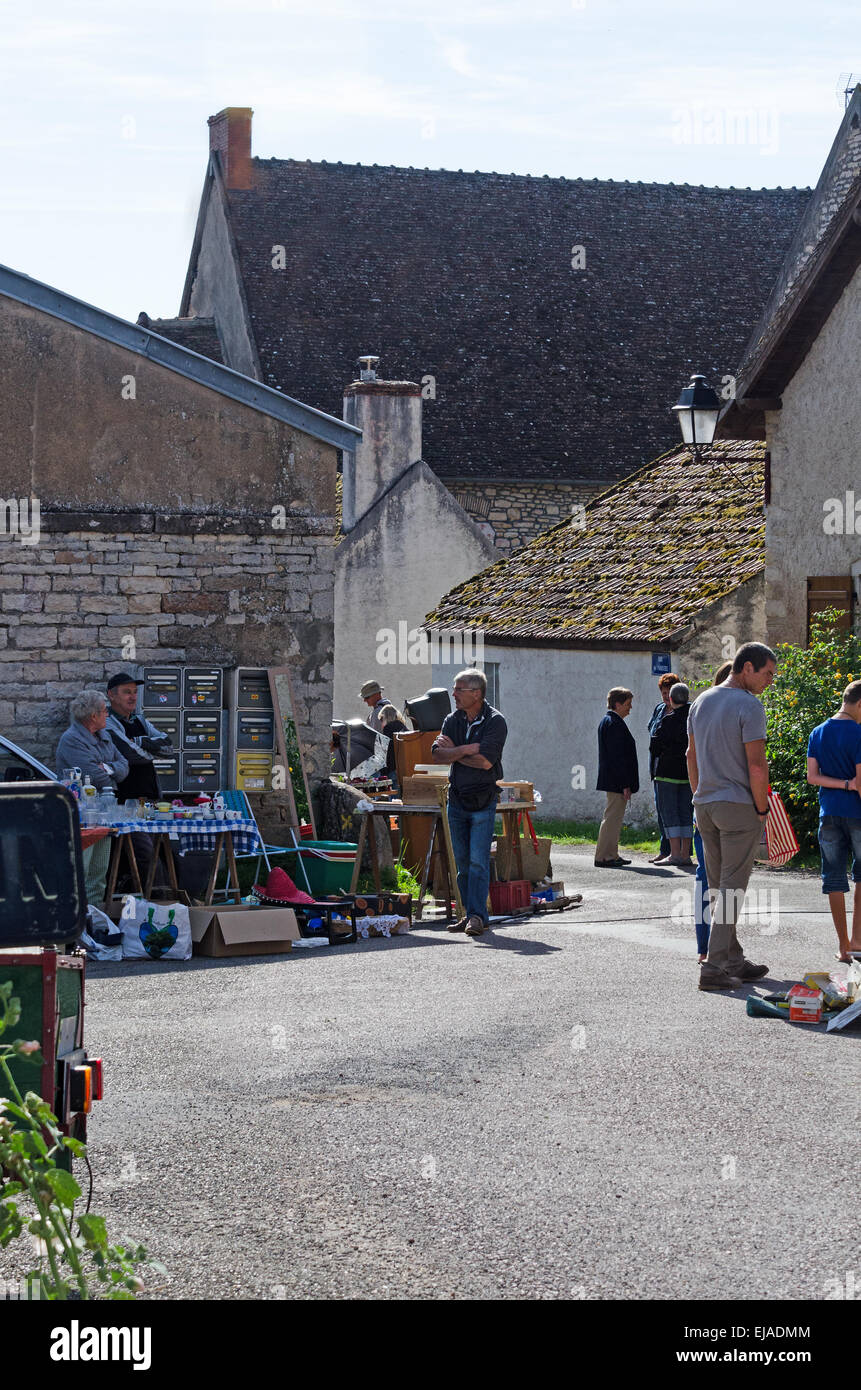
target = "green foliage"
x: 585, y: 832
x: 807, y: 689
x: 406, y: 880
x: 294, y: 762
x: 38, y: 1198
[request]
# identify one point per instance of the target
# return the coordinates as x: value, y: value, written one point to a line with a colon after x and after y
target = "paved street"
x: 551, y: 1111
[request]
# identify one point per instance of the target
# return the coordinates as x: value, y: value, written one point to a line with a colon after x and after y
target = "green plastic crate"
x: 325, y: 876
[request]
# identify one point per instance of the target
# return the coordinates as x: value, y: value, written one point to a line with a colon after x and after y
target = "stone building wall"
x: 178, y: 526
x: 79, y: 606
x: 813, y: 521
x: 518, y: 512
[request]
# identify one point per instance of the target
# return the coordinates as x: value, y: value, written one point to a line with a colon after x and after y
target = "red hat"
x: 280, y: 888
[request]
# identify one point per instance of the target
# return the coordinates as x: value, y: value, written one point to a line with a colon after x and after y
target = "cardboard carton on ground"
x: 805, y: 1005
x: 237, y: 930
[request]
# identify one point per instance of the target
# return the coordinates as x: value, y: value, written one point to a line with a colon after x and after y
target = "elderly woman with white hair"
x: 87, y: 745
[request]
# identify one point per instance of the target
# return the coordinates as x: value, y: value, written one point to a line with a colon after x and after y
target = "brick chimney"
x: 230, y: 138
x: 389, y: 414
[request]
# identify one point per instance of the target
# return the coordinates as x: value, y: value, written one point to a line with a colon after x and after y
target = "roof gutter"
x: 152, y: 346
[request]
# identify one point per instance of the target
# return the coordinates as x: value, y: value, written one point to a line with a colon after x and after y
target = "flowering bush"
x: 807, y: 689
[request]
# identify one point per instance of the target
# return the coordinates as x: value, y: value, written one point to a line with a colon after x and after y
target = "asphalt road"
x: 551, y: 1111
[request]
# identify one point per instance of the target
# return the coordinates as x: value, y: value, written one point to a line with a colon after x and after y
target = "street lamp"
x: 698, y: 408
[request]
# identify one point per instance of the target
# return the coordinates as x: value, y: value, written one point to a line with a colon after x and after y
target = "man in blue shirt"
x: 834, y: 766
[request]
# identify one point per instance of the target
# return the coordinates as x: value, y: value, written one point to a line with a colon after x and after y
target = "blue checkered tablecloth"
x: 197, y: 834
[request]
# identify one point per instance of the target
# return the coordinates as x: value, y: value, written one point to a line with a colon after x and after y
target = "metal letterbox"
x: 253, y: 772
x: 166, y: 724
x: 162, y: 688
x: 202, y: 687
x: 254, y: 730
x: 167, y: 772
x: 201, y: 730
x: 201, y: 772
x: 252, y: 690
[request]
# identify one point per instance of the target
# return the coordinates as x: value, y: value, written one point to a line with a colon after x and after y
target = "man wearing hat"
x: 137, y: 739
x: 372, y: 694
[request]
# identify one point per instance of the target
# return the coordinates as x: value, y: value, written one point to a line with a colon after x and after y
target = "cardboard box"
x: 237, y: 930
x: 422, y: 789
x: 805, y: 1005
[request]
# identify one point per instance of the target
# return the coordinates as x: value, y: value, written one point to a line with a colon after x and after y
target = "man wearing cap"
x: 372, y: 694
x: 138, y: 741
x: 136, y: 738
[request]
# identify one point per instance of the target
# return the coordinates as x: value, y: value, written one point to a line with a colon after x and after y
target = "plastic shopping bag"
x: 155, y: 931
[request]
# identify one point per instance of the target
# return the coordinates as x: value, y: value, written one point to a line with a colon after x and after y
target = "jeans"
x: 701, y: 900
x: 838, y: 836
x: 471, y: 837
x: 675, y: 808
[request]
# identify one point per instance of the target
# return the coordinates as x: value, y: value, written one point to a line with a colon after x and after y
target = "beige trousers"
x: 731, y: 832
x: 608, y: 835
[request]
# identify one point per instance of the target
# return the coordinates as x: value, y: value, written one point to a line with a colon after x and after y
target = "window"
x: 491, y: 671
x: 830, y: 592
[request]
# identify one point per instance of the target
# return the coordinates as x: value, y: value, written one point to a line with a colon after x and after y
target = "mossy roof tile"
x: 655, y: 550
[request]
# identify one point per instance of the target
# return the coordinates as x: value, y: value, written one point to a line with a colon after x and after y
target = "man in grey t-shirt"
x: 729, y: 778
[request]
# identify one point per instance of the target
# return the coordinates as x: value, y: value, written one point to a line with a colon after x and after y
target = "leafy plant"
x: 806, y: 690
x: 294, y: 763
x: 38, y: 1196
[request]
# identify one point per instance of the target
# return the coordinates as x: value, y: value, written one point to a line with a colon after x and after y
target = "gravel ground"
x: 552, y: 1111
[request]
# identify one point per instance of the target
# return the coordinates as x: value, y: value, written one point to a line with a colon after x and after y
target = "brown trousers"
x: 608, y: 836
x: 731, y: 832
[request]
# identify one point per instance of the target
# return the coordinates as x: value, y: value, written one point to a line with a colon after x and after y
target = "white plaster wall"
x: 393, y: 568
x: 815, y: 443
x: 553, y: 701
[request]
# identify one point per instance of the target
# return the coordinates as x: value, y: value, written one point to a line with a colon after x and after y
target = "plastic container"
x: 329, y: 871
x: 508, y: 897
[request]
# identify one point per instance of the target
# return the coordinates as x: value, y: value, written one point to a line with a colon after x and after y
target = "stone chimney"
x: 389, y: 414
x: 230, y: 137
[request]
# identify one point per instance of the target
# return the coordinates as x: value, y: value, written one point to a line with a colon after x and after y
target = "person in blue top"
x: 834, y: 766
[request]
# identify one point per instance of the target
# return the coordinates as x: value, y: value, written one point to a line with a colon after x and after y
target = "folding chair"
x: 236, y: 800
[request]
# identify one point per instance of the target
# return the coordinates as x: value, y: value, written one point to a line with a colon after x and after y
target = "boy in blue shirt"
x: 834, y: 766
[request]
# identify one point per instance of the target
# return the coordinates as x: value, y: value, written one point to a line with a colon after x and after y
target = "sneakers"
x: 718, y: 979
x: 460, y: 925
x: 749, y: 971
x: 611, y: 863
x: 475, y: 926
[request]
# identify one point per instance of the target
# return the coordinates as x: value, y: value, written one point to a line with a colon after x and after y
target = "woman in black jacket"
x: 668, y: 748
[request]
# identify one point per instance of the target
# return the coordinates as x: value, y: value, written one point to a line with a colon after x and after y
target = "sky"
x: 103, y: 106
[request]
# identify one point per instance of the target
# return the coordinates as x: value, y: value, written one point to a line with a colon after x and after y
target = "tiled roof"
x: 542, y: 371
x: 656, y: 549
x: 835, y: 198
x: 198, y: 335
